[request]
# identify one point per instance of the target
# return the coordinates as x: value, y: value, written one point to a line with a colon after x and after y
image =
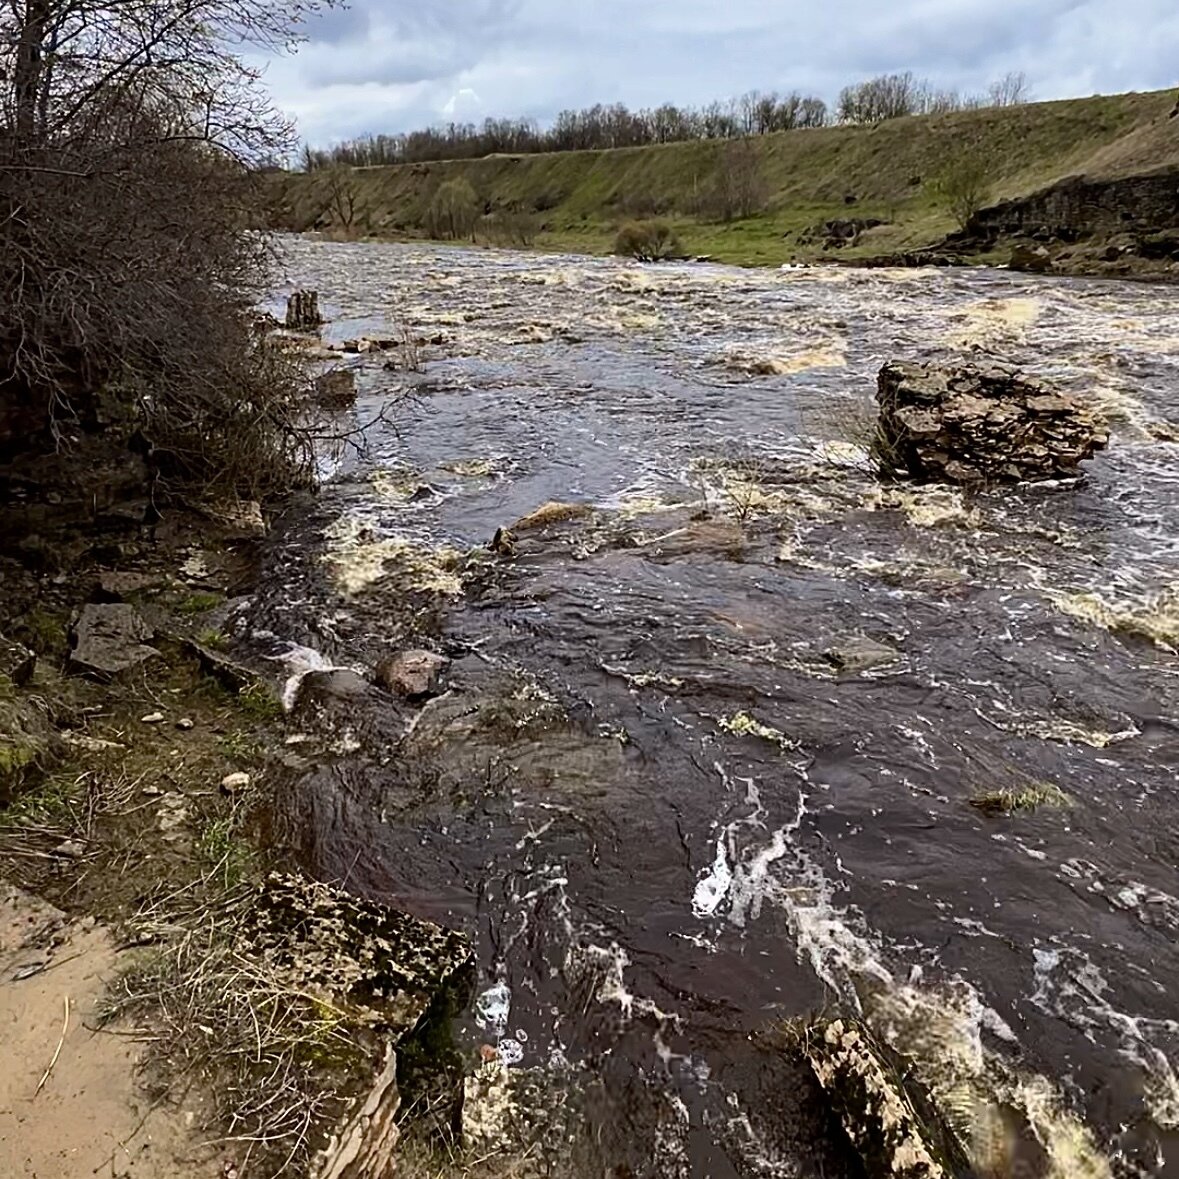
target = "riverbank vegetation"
x: 843, y: 192
x: 128, y: 152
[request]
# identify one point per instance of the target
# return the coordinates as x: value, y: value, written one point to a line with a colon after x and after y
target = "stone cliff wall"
x: 1080, y: 207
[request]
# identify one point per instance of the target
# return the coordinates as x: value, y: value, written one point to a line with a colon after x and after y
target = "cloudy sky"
x: 395, y: 65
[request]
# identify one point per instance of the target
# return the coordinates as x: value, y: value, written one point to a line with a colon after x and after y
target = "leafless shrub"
x: 454, y: 210
x: 738, y: 187
x: 129, y: 132
x: 964, y: 183
x: 847, y: 436
x: 648, y: 241
x: 509, y: 227
x: 408, y: 356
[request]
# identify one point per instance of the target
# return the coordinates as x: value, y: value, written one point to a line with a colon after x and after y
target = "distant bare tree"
x: 738, y: 187
x: 889, y: 96
x: 342, y: 195
x: 1012, y: 89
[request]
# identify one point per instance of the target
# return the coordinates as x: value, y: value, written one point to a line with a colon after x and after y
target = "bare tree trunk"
x: 27, y: 76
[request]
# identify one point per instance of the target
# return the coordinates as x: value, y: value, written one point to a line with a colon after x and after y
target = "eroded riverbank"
x: 708, y: 753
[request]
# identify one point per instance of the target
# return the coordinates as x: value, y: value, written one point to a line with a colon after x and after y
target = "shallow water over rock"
x: 707, y: 757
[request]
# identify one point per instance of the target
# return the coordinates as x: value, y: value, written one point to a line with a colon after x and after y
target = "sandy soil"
x: 89, y: 1117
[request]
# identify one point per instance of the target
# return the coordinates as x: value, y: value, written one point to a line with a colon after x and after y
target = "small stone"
x: 859, y: 653
x: 185, y: 723
x: 232, y: 783
x: 17, y: 662
x: 152, y: 718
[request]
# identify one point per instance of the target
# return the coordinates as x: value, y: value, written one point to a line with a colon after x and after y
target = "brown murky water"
x: 708, y: 754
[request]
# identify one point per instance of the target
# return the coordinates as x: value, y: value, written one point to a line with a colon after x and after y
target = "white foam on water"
x: 1070, y: 986
x: 493, y: 1008
x: 714, y: 885
x: 941, y: 1028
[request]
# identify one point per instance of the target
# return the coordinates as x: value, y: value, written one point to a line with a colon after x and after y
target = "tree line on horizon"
x: 888, y: 96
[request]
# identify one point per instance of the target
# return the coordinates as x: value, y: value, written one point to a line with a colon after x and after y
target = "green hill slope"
x: 884, y: 172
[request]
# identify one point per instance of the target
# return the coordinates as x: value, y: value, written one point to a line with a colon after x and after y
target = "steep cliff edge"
x: 837, y: 193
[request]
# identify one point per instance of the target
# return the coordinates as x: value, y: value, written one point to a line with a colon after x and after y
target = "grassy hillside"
x: 810, y: 176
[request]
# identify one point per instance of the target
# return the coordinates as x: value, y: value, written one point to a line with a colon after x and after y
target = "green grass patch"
x: 212, y: 639
x: 199, y: 603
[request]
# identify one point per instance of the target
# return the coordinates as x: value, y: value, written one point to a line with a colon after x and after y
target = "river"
x: 708, y: 754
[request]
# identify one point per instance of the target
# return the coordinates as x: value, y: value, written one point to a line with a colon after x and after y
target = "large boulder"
x: 979, y: 425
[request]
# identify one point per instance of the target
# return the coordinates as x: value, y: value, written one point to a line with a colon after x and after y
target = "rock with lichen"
x: 972, y: 425
x: 379, y: 970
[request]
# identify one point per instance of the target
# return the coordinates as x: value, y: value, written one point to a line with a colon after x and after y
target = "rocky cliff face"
x: 1080, y: 207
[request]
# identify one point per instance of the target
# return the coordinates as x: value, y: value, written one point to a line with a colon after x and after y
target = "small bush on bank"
x: 509, y: 227
x: 648, y: 241
x: 963, y: 184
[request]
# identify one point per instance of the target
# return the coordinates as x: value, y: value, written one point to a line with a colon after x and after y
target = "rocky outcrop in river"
x: 975, y: 425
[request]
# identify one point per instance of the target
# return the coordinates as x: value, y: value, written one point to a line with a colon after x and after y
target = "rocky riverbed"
x: 744, y: 735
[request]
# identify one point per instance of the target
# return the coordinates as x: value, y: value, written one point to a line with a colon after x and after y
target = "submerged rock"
x: 411, y: 674
x: 553, y: 512
x: 974, y: 425
x: 110, y: 638
x: 336, y: 389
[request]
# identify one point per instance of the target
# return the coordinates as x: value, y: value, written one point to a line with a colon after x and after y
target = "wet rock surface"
x: 336, y: 388
x: 975, y: 425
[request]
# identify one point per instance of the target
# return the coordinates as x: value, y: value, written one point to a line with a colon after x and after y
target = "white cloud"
x: 462, y: 105
x: 388, y: 66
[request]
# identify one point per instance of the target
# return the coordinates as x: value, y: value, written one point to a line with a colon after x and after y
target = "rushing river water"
x: 707, y: 756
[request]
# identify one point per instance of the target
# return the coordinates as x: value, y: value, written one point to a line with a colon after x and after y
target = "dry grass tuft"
x: 267, y: 1051
x: 1028, y: 798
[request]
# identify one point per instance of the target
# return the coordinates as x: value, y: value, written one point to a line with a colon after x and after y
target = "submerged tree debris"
x: 868, y: 1097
